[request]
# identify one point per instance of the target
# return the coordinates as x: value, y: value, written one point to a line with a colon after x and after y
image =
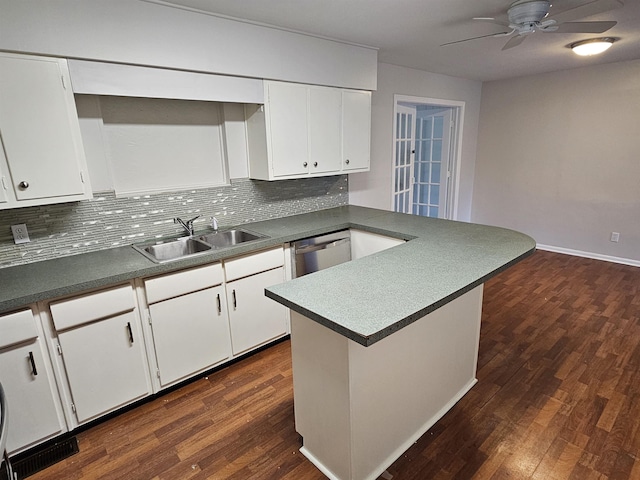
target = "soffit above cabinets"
x: 102, y: 78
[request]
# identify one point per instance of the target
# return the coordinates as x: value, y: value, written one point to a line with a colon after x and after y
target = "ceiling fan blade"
x: 495, y: 21
x: 583, y: 27
x: 587, y: 9
x: 475, y: 38
x: 514, y: 42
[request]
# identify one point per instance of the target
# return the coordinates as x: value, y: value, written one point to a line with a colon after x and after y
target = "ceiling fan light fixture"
x: 593, y: 46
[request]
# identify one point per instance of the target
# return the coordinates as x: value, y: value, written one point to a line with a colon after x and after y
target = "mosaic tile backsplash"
x: 107, y: 221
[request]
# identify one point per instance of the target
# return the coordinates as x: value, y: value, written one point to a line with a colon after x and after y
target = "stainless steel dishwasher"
x: 316, y: 253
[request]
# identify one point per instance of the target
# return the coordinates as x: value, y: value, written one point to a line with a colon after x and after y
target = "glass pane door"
x: 431, y: 163
x: 403, y: 165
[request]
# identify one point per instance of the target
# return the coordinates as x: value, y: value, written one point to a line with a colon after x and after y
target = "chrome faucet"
x: 188, y: 225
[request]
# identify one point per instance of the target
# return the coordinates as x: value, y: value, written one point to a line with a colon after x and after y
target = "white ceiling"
x: 409, y: 32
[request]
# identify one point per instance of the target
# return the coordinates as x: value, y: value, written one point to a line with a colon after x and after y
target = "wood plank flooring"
x: 558, y: 397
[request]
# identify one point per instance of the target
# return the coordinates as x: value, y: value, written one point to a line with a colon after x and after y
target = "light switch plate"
x: 20, y: 233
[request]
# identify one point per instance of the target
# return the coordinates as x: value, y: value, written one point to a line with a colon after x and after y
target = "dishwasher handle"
x: 321, y: 246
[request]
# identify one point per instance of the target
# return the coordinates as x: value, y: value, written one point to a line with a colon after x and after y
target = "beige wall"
x: 373, y: 189
x: 559, y: 159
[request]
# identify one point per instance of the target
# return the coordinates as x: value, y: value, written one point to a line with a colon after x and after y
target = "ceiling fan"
x: 529, y: 16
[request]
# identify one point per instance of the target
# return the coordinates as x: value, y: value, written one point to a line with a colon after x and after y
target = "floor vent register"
x: 40, y: 458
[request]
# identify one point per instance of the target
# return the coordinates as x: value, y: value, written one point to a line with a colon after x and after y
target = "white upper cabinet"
x: 43, y: 159
x: 356, y: 130
x: 288, y: 136
x: 325, y: 132
x: 308, y: 130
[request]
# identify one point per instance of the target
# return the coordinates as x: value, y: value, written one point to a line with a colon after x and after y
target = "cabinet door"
x: 105, y: 364
x: 39, y: 127
x: 356, y: 130
x: 190, y: 333
x: 4, y: 178
x: 254, y: 318
x: 30, y: 394
x: 325, y: 130
x: 287, y: 120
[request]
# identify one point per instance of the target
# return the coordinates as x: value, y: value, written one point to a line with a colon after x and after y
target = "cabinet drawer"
x: 78, y: 310
x: 253, y: 263
x: 17, y: 327
x: 181, y: 283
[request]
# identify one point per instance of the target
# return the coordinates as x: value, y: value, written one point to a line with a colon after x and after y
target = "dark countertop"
x: 369, y: 298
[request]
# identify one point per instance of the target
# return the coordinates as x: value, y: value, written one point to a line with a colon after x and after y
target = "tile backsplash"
x: 107, y: 222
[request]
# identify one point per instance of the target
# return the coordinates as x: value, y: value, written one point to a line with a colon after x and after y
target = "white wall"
x: 192, y: 147
x: 373, y: 189
x: 559, y: 158
x: 143, y: 33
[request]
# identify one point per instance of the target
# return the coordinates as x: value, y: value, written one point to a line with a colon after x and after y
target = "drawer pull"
x: 32, y: 361
x: 219, y: 305
x: 130, y: 332
x: 233, y: 294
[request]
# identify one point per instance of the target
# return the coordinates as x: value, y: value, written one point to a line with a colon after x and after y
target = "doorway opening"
x: 426, y: 157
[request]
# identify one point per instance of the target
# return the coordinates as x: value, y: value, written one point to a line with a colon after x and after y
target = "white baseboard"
x: 595, y: 256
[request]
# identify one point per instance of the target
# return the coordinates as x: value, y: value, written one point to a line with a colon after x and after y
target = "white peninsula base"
x: 359, y: 408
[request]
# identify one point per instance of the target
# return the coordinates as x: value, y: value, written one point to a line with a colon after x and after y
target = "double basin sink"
x: 176, y: 249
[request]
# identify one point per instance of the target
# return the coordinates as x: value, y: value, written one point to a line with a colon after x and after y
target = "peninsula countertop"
x: 365, y: 300
x: 370, y: 298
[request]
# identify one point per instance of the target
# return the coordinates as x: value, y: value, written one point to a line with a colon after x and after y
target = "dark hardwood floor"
x: 558, y: 397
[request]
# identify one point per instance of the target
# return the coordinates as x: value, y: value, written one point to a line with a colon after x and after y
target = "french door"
x: 431, y: 164
x: 403, y: 166
x: 422, y: 163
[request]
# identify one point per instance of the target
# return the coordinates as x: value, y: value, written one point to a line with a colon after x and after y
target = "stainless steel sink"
x: 229, y: 238
x: 166, y: 251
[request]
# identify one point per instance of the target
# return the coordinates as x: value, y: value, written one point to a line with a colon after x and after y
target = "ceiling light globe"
x: 591, y: 47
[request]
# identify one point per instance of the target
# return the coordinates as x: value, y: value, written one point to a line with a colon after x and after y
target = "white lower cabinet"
x: 101, y: 356
x: 367, y: 243
x: 102, y: 351
x: 27, y: 379
x: 255, y: 319
x: 190, y: 334
x: 189, y: 322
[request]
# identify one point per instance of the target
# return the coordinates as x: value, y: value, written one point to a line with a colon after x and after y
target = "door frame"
x: 458, y: 111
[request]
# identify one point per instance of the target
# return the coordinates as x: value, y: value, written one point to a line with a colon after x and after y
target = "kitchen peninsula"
x: 382, y: 346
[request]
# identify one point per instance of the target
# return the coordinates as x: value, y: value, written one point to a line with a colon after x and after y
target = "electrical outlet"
x: 615, y: 237
x: 20, y: 233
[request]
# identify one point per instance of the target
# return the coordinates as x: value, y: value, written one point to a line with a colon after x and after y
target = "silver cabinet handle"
x: 305, y: 164
x: 24, y: 185
x: 130, y: 332
x: 315, y: 164
x: 219, y: 305
x: 235, y: 303
x: 347, y: 161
